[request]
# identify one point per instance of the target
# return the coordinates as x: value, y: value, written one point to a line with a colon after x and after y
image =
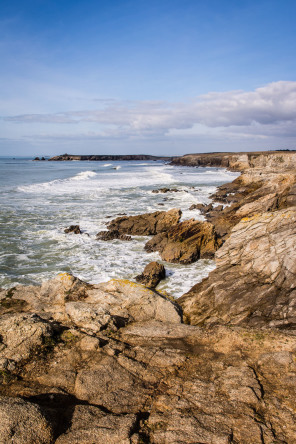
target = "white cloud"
x: 265, y: 112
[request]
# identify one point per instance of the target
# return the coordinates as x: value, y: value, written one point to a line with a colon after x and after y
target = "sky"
x: 165, y: 77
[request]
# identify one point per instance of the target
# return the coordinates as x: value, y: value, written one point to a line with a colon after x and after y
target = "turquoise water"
x: 39, y: 199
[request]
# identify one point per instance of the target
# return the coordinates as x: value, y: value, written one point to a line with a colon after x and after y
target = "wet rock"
x: 111, y: 235
x: 73, y: 229
x: 146, y: 224
x: 152, y: 275
x: 166, y: 190
x: 185, y: 242
x: 23, y: 422
x: 255, y: 279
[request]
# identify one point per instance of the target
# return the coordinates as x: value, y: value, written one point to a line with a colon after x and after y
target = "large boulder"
x: 255, y: 279
x: 185, y: 242
x: 95, y: 307
x: 146, y: 224
x: 153, y: 273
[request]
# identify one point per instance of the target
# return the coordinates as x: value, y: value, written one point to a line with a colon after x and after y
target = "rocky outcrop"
x: 108, y: 157
x: 185, y: 242
x: 73, y: 229
x: 255, y: 279
x: 153, y: 273
x: 145, y: 224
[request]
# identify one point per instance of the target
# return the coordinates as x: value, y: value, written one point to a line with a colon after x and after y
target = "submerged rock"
x: 152, y: 275
x: 185, y: 242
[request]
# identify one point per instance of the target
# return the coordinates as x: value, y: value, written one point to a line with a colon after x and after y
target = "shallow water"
x: 39, y: 199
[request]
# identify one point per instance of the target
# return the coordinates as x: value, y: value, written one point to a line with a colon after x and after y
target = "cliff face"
x: 240, y: 161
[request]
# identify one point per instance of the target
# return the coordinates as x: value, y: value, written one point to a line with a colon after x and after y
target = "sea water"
x: 40, y: 199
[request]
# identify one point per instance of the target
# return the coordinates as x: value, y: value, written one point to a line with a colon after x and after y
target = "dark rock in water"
x: 166, y: 190
x: 153, y: 273
x: 146, y: 224
x: 73, y: 229
x: 111, y: 235
x: 36, y: 158
x: 42, y: 158
x: 185, y: 242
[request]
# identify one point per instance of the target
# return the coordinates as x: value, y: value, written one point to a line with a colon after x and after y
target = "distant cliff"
x: 239, y: 161
x: 105, y: 157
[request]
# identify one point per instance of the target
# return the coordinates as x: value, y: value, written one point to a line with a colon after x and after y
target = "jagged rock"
x: 153, y: 273
x: 23, y: 422
x: 146, y: 224
x: 73, y: 229
x: 255, y: 279
x: 111, y: 235
x: 186, y: 242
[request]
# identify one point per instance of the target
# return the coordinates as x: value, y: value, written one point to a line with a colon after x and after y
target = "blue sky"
x: 139, y: 76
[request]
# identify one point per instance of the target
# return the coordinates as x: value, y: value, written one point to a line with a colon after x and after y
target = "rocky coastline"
x: 121, y: 363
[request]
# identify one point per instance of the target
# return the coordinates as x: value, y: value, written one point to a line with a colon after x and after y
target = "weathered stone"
x: 186, y: 242
x: 152, y: 275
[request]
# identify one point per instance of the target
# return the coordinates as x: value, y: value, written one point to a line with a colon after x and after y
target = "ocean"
x: 40, y: 199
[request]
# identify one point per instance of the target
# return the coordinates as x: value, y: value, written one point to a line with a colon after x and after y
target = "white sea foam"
x: 35, y: 216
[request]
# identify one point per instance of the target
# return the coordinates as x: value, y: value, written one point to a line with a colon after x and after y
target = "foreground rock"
x: 152, y: 275
x: 156, y: 382
x: 145, y: 224
x: 255, y: 279
x: 186, y: 242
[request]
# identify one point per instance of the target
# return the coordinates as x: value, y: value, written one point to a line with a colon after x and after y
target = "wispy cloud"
x: 266, y: 111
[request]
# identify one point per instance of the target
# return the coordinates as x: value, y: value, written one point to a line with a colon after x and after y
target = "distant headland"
x: 104, y: 157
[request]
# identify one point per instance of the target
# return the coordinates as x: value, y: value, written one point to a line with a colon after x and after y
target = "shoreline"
x: 117, y: 362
